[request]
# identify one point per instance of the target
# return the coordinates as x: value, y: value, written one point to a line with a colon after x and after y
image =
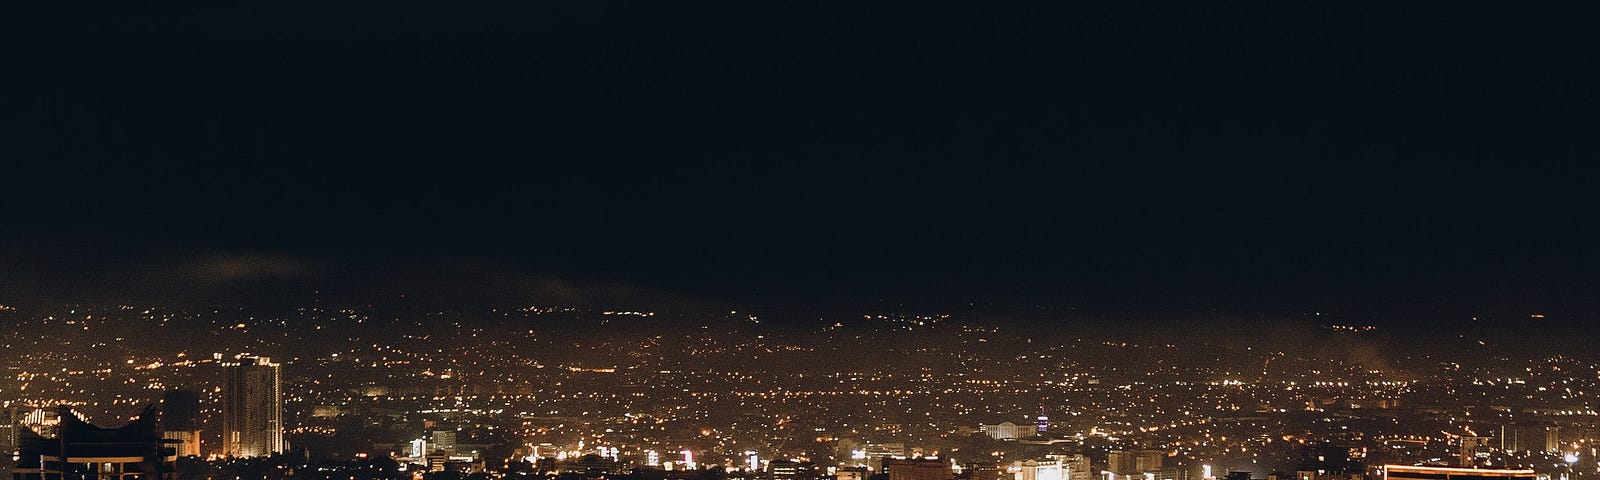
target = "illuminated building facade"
x: 252, y: 414
x: 444, y: 440
x: 1074, y: 467
x: 10, y: 426
x: 1410, y: 472
x: 879, y: 452
x: 180, y: 411
x: 17, y: 418
x: 791, y: 470
x: 1039, y: 470
x: 1006, y: 431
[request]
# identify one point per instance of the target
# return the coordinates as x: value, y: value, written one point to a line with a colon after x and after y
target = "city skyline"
x: 589, y: 240
x: 577, y: 390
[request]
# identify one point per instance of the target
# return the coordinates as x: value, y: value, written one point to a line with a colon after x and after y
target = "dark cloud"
x: 221, y: 269
x: 1282, y: 156
x: 200, y: 277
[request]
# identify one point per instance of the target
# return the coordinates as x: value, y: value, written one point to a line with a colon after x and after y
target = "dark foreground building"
x: 81, y: 451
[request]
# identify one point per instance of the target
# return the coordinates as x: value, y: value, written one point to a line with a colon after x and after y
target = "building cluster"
x: 564, y: 391
x: 59, y: 443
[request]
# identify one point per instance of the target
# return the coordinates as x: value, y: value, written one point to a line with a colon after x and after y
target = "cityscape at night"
x: 566, y: 390
x: 1257, y: 240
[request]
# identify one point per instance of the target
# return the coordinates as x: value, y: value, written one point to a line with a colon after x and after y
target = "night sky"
x: 1390, y: 161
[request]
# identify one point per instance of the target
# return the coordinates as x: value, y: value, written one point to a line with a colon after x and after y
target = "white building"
x: 1038, y: 470
x: 1007, y: 431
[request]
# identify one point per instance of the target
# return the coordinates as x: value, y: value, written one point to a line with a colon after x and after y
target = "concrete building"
x: 1074, y: 467
x: 180, y: 421
x: 1038, y: 470
x: 791, y: 470
x: 980, y: 471
x: 444, y: 440
x: 1471, y: 448
x: 1135, y: 462
x: 924, y: 468
x: 252, y: 412
x: 1007, y: 431
x: 878, y: 452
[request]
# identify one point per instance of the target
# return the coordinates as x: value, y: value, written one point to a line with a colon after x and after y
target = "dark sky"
x: 1391, y: 160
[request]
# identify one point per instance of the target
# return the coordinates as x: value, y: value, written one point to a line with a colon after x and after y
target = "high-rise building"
x: 180, y: 412
x: 445, y: 440
x: 252, y: 413
x: 10, y: 427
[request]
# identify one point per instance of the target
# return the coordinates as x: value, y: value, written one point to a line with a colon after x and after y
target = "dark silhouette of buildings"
x: 82, y: 451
